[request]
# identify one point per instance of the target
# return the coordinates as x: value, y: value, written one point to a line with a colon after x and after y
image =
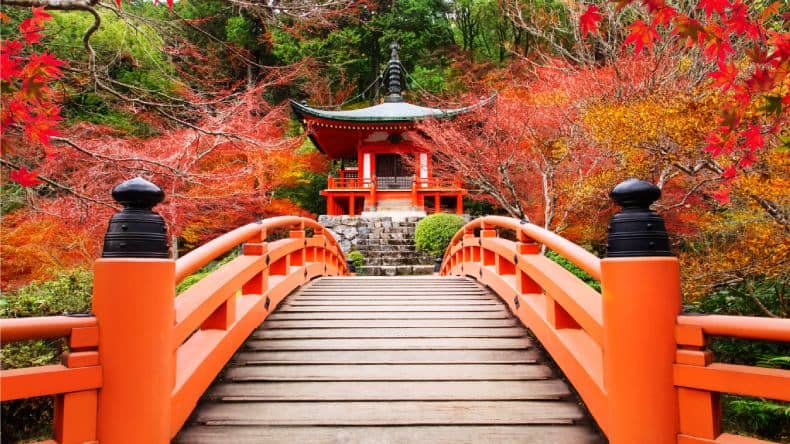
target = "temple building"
x: 393, y: 172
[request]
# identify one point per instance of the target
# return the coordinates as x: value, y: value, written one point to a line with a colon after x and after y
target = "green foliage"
x: 12, y: 196
x: 754, y: 416
x: 479, y: 208
x: 239, y: 30
x: 748, y: 298
x: 431, y: 79
x: 91, y: 107
x: 434, y: 233
x: 135, y: 54
x: 356, y: 258
x: 576, y: 271
x: 203, y: 272
x: 742, y: 415
x: 306, y: 192
x: 69, y: 292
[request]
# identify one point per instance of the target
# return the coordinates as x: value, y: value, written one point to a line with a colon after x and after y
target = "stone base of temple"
x: 386, y: 242
x: 395, y: 270
x: 394, y: 215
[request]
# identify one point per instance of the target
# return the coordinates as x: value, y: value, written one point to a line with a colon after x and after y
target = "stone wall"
x: 386, y: 244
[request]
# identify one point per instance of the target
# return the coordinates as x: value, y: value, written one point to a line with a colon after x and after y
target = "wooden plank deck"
x: 389, y: 360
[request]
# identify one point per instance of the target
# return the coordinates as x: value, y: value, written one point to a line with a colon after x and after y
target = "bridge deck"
x: 408, y: 359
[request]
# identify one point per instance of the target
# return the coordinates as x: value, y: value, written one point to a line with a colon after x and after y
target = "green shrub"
x: 356, y: 258
x: 757, y: 417
x: 194, y: 278
x: 69, y: 292
x: 434, y: 233
x: 576, y: 271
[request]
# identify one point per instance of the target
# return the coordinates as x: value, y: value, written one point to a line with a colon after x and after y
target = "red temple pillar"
x: 459, y: 204
x: 414, y: 194
x: 350, y: 204
x: 437, y: 203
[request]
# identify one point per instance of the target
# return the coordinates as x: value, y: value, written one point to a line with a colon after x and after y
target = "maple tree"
x: 28, y: 106
x: 753, y: 78
x: 219, y: 155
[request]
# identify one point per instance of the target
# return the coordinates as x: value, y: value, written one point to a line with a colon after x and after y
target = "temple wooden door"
x: 393, y: 172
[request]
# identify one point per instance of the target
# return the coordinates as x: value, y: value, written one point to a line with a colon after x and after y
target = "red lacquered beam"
x: 44, y: 327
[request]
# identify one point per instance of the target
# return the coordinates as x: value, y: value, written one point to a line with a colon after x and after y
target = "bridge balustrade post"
x: 133, y: 293
x: 524, y: 283
x: 641, y: 300
x: 257, y: 247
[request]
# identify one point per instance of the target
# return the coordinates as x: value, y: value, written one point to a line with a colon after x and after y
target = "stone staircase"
x: 386, y: 243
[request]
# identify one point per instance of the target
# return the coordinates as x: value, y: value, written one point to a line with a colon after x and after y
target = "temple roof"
x: 385, y: 112
x: 339, y: 133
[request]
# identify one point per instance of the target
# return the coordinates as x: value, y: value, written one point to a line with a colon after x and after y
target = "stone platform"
x: 386, y: 242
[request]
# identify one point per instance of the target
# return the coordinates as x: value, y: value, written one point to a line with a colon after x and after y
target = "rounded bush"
x: 356, y: 258
x: 434, y: 233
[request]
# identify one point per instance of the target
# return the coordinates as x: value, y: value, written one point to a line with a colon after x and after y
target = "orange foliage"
x: 35, y: 247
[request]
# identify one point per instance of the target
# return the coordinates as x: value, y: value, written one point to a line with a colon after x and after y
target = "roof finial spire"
x: 394, y: 75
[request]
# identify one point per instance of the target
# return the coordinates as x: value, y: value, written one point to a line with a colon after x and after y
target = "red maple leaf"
x: 642, y: 34
x: 762, y: 80
x: 588, y: 22
x: 729, y: 172
x: 664, y: 15
x: 45, y: 64
x: 691, y: 29
x: 30, y: 27
x: 725, y: 77
x: 722, y: 195
x: 9, y: 62
x: 25, y: 178
x: 711, y: 6
x: 720, y: 141
x: 753, y: 138
x: 739, y: 23
x: 717, y: 44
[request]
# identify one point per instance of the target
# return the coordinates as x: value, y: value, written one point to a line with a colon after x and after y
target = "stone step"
x: 378, y: 242
x: 395, y: 270
x: 384, y: 249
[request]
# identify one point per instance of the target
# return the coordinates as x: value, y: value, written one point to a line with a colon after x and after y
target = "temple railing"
x: 393, y: 183
x: 139, y: 363
x: 641, y: 369
x: 422, y: 183
x: 334, y: 183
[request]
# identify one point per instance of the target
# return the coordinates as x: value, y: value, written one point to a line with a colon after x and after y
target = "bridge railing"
x: 139, y: 363
x: 74, y: 382
x: 641, y: 369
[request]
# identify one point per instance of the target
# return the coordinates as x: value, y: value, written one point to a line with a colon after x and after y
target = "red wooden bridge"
x: 281, y: 344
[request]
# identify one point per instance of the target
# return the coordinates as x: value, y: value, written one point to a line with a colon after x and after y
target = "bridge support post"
x: 641, y: 301
x: 134, y: 288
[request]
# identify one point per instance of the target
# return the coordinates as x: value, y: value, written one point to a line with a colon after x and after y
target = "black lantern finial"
x: 137, y: 231
x: 636, y: 230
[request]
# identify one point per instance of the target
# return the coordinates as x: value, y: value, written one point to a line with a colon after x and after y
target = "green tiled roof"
x: 386, y: 112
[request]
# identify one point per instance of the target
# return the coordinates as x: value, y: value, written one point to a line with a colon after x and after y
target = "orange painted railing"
x: 158, y: 352
x: 74, y: 382
x: 436, y: 183
x: 334, y: 183
x: 640, y: 368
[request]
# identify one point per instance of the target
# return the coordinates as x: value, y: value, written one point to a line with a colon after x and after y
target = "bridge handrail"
x: 147, y: 356
x: 202, y: 255
x: 628, y: 346
x: 744, y: 327
x: 565, y: 248
x: 42, y: 327
x: 561, y: 310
